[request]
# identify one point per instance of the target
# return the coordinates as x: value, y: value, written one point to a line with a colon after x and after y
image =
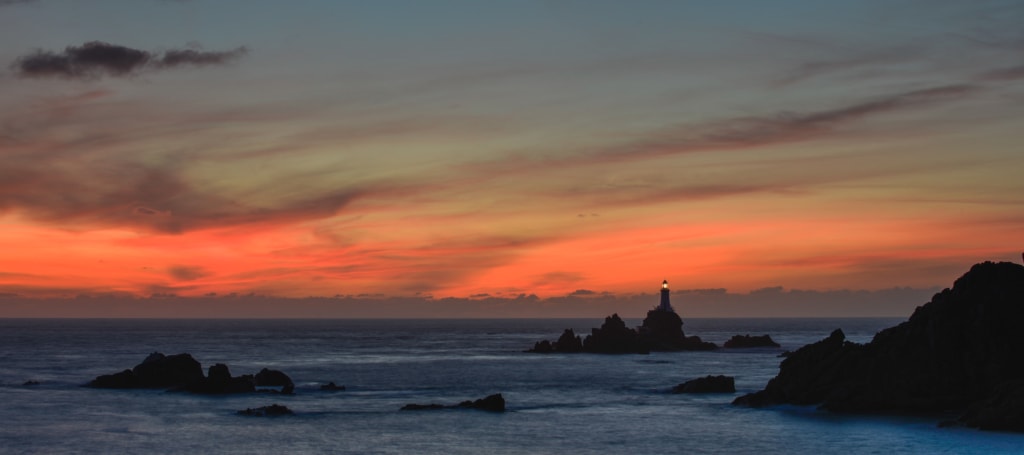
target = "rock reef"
x: 332, y: 387
x: 492, y: 403
x: 961, y: 353
x: 181, y: 372
x: 273, y: 410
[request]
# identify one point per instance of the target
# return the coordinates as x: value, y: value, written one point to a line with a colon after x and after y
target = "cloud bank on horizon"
x: 448, y: 149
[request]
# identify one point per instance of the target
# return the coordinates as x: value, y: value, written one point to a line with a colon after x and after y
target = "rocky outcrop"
x: 568, y: 342
x: 181, y: 372
x: 958, y: 353
x: 156, y: 371
x: 275, y: 378
x: 748, y: 341
x: 273, y: 410
x: 661, y: 331
x: 707, y: 384
x: 492, y: 403
x: 219, y: 381
x: 614, y: 338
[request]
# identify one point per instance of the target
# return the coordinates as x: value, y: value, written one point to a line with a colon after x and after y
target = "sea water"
x: 557, y: 403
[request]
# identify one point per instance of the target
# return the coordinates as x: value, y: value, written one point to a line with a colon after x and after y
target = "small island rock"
x: 748, y: 341
x: 156, y: 371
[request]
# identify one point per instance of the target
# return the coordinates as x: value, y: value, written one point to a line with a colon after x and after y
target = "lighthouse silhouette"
x: 665, y: 305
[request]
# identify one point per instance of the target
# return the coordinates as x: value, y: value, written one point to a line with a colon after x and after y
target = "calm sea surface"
x: 557, y: 404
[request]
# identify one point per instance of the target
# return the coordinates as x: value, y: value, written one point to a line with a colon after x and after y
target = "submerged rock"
x: 273, y: 410
x: 332, y: 387
x: 707, y: 384
x: 492, y: 403
x: 960, y: 352
x: 423, y: 407
x: 748, y: 341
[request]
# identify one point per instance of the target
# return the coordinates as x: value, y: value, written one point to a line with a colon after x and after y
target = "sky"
x: 507, y: 158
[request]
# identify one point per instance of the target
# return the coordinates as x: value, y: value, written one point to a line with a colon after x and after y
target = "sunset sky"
x: 494, y: 149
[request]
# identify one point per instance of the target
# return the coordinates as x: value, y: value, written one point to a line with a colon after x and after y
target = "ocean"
x: 557, y: 403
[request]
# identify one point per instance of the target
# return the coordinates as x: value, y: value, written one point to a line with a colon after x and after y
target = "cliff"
x: 961, y: 352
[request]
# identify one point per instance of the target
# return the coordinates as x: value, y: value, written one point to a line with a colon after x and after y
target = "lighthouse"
x: 665, y: 305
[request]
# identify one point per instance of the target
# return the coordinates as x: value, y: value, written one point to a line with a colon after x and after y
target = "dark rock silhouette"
x: 662, y: 330
x: 181, y: 372
x: 707, y: 384
x: 748, y: 341
x: 614, y: 338
x: 332, y: 387
x: 960, y: 353
x: 568, y: 342
x: 492, y: 403
x: 219, y: 381
x: 156, y: 371
x: 275, y: 378
x: 30, y: 383
x: 273, y: 410
x: 423, y: 407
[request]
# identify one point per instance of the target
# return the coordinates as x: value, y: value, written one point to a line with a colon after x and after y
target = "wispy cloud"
x: 1009, y: 73
x: 187, y: 273
x: 783, y: 127
x: 738, y: 133
x: 96, y: 58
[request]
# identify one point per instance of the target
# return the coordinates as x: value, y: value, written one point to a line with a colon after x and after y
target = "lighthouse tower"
x: 665, y: 305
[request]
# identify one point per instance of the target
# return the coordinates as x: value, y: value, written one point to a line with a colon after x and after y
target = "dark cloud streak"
x: 739, y: 133
x: 96, y: 58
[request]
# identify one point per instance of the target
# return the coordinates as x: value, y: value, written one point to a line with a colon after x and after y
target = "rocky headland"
x: 959, y: 353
